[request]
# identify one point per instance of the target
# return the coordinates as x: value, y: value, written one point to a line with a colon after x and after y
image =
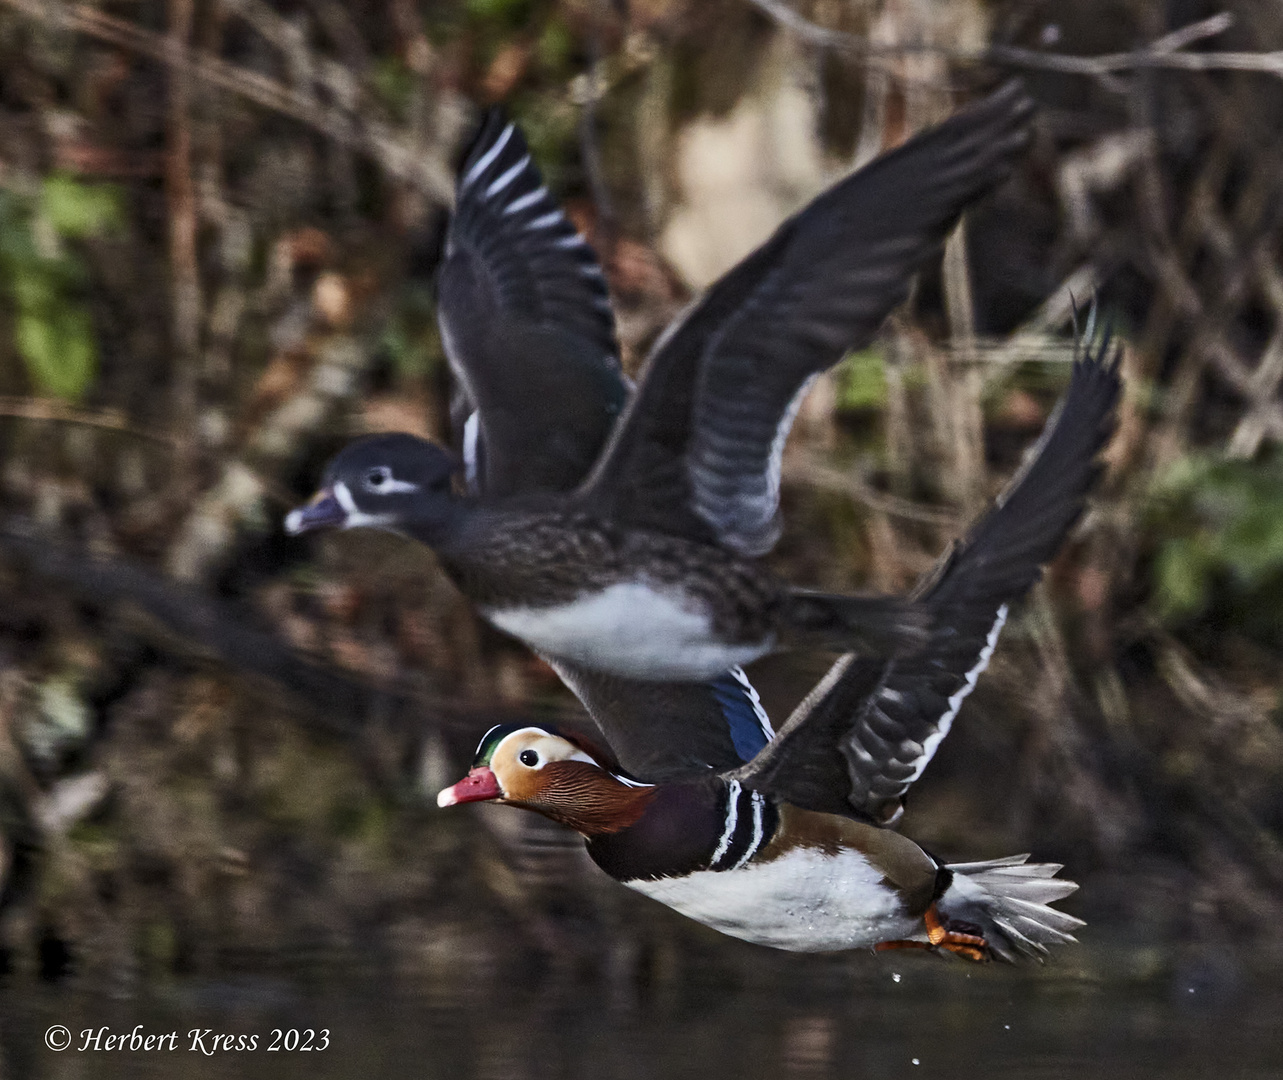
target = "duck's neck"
x: 441, y: 525
x: 595, y: 803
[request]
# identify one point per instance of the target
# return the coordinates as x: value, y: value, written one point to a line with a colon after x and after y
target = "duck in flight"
x: 648, y: 569
x: 791, y: 847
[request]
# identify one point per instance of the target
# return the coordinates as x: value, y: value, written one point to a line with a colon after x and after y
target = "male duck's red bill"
x: 479, y: 785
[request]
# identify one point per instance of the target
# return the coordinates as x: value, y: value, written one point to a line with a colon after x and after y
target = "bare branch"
x: 592, y: 90
x: 394, y: 154
x: 1032, y: 339
x: 1165, y: 52
x: 58, y: 411
x: 180, y: 195
x: 805, y: 468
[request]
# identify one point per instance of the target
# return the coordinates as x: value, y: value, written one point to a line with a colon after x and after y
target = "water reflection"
x: 798, y: 1017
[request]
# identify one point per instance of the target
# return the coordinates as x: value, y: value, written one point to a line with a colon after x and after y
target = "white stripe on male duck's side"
x: 743, y: 831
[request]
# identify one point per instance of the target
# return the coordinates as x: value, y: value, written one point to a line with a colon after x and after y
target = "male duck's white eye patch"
x: 381, y: 481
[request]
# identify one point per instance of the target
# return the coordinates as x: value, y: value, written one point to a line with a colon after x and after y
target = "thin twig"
x: 184, y: 272
x: 803, y: 467
x: 1165, y: 52
x: 589, y: 152
x: 1030, y: 341
x: 375, y: 138
x: 53, y: 410
x: 306, y: 68
x: 341, y: 703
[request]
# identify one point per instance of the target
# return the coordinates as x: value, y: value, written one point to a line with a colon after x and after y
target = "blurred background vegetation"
x: 219, y: 746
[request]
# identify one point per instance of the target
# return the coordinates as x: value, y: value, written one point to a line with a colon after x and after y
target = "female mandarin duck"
x: 792, y: 849
x: 647, y: 568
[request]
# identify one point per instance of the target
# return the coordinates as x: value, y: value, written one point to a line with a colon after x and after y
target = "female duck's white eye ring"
x: 378, y: 479
x: 529, y: 758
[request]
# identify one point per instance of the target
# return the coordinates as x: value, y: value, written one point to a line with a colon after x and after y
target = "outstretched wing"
x: 867, y: 731
x: 529, y: 334
x: 526, y: 323
x: 699, y: 448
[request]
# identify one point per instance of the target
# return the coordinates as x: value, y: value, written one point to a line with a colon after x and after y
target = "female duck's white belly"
x: 631, y: 629
x: 804, y: 901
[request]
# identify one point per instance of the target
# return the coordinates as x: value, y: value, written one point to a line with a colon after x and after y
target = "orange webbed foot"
x: 969, y: 946
x: 887, y: 946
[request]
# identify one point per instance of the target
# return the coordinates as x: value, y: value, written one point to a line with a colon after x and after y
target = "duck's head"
x: 560, y: 776
x: 398, y: 482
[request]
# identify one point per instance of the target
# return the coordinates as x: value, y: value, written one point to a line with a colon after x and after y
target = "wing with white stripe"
x: 699, y: 448
x: 526, y: 322
x: 868, y: 730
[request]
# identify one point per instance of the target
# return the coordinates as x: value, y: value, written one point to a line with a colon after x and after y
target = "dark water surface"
x: 849, y: 1017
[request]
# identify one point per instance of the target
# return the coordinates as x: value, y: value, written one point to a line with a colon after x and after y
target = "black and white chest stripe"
x: 750, y: 821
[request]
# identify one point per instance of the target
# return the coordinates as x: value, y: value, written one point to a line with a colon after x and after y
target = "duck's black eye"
x: 378, y: 479
x: 528, y: 758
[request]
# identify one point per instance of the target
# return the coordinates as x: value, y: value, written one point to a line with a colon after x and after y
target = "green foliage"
x: 512, y: 12
x: 77, y: 210
x: 53, y: 330
x: 556, y: 46
x: 394, y: 83
x: 551, y: 128
x: 60, y: 719
x: 861, y: 380
x: 410, y: 339
x: 1223, y: 523
x: 57, y: 344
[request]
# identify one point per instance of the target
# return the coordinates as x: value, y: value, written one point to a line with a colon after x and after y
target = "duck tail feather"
x: 1009, y: 900
x: 878, y: 625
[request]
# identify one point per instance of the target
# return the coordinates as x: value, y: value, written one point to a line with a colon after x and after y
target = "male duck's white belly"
x: 630, y: 629
x: 804, y: 901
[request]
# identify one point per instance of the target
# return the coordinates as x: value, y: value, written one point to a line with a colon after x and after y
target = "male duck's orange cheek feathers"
x: 478, y: 786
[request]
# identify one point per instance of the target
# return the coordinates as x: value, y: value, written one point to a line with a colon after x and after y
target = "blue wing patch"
x: 749, y: 725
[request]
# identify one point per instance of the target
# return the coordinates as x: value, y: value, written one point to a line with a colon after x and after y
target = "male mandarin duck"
x: 647, y: 568
x: 792, y: 848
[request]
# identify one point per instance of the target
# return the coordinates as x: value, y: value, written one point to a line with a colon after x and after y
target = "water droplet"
x: 916, y: 1061
x: 895, y: 976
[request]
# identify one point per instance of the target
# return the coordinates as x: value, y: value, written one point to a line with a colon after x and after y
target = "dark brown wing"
x: 698, y: 451
x: 665, y: 731
x: 530, y: 336
x: 526, y: 323
x: 869, y: 728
